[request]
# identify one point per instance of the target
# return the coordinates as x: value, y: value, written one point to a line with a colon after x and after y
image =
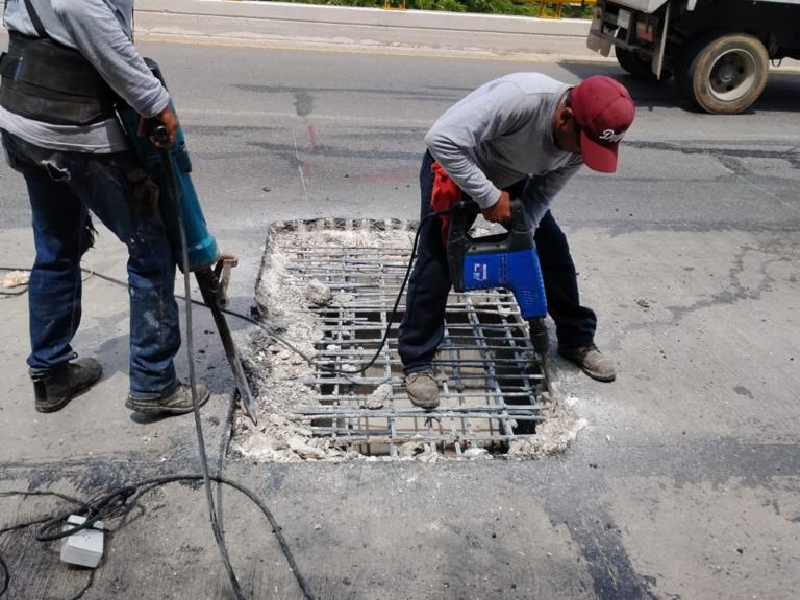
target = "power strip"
x: 85, y: 547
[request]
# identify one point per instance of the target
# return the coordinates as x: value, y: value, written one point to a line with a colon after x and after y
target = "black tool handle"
x: 519, y: 218
x: 464, y: 213
x: 160, y: 135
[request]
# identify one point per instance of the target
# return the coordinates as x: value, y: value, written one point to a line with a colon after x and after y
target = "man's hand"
x: 500, y: 212
x: 165, y: 117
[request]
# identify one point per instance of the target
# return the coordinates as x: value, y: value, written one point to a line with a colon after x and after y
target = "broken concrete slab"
x: 338, y: 396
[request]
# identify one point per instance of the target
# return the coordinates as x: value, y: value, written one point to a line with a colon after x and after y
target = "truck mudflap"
x: 660, y: 43
x: 645, y: 32
x: 595, y: 41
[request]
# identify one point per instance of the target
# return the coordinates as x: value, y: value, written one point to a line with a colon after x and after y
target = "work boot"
x: 178, y: 402
x: 591, y: 362
x: 54, y: 389
x: 422, y: 389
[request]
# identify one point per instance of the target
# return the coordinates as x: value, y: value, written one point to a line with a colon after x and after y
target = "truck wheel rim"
x: 732, y: 75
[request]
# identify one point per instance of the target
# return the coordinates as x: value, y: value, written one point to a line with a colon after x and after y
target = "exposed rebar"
x: 488, y: 391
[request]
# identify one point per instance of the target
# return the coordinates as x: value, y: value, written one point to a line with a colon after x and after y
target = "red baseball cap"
x: 604, y: 110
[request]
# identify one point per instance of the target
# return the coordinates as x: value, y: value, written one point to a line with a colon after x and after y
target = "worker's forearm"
x: 463, y: 171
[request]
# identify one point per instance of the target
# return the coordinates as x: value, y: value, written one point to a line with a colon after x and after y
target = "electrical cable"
x: 26, y: 286
x: 4, y: 572
x: 64, y: 497
x: 115, y: 503
x: 195, y: 302
x: 187, y: 289
x: 119, y: 282
x: 119, y: 502
x: 6, y: 576
x: 393, y: 316
x: 389, y: 323
x: 279, y: 339
x: 21, y: 292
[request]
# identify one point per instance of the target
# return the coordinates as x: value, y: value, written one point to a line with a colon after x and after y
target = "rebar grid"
x: 489, y: 392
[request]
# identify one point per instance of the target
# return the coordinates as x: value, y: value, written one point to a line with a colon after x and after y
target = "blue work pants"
x: 63, y: 187
x: 422, y: 328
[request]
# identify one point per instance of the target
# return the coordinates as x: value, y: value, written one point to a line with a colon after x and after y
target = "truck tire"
x: 723, y: 73
x: 634, y: 64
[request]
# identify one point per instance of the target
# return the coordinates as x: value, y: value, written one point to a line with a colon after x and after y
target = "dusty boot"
x: 54, y: 390
x: 422, y: 389
x: 178, y: 402
x: 591, y: 362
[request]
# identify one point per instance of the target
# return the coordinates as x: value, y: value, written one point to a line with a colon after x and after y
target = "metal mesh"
x: 488, y: 388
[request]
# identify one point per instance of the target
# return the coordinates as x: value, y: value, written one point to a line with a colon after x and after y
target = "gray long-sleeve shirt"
x: 502, y: 133
x: 101, y: 30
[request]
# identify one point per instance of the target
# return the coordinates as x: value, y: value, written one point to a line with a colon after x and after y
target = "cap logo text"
x: 609, y: 135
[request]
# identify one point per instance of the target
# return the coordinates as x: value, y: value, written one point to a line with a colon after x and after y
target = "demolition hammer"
x: 507, y: 260
x: 170, y: 169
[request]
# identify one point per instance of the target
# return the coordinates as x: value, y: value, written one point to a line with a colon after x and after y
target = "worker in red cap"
x: 521, y: 136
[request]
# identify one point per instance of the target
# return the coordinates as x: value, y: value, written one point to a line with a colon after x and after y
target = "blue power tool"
x: 180, y: 210
x: 508, y: 260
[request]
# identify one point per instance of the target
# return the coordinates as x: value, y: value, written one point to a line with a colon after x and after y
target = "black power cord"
x: 4, y: 572
x: 276, y: 338
x: 213, y: 516
x: 115, y: 503
x: 389, y: 323
x: 119, y: 502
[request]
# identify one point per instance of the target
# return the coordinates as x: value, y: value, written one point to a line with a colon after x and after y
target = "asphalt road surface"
x: 685, y: 482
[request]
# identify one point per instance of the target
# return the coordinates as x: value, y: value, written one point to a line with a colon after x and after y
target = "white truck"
x: 719, y: 51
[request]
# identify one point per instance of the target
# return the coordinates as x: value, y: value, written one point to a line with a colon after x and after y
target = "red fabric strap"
x: 445, y: 193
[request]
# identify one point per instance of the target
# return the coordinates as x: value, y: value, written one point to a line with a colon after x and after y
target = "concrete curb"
x: 275, y: 24
x: 374, y: 30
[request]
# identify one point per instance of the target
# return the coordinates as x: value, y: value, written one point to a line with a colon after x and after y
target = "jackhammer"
x: 506, y: 260
x: 170, y: 169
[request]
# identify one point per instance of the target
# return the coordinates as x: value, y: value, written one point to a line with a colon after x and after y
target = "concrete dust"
x: 281, y: 440
x: 554, y: 435
x: 478, y: 454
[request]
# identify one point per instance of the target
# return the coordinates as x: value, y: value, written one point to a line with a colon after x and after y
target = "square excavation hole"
x: 328, y: 288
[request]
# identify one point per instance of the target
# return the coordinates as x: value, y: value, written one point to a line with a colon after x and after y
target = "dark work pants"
x: 422, y: 329
x: 63, y: 187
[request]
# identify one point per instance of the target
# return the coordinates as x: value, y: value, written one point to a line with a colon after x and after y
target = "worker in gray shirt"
x: 521, y: 136
x: 69, y: 64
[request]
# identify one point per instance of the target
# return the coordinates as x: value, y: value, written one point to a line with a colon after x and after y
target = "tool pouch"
x: 145, y: 195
